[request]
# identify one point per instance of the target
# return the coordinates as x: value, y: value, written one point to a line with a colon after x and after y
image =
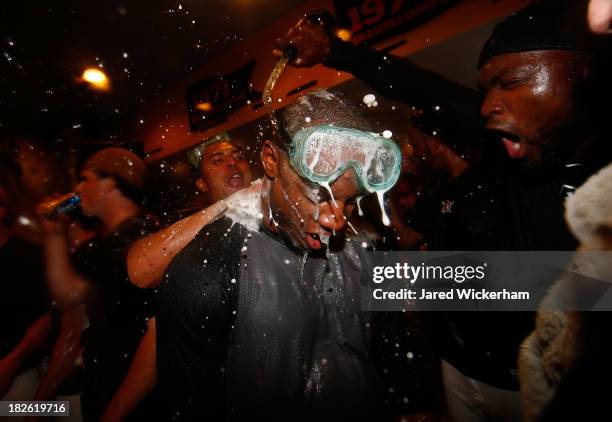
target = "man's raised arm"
x: 454, y: 108
x: 148, y: 258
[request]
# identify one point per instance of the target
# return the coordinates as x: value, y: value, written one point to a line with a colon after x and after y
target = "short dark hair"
x: 542, y: 25
x: 133, y: 193
x: 319, y: 107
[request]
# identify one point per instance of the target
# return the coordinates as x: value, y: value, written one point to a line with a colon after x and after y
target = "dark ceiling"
x: 142, y: 45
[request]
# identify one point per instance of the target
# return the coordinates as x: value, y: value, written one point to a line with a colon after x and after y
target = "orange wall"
x: 165, y: 130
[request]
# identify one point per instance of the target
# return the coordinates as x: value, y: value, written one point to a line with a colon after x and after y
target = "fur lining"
x: 560, y: 337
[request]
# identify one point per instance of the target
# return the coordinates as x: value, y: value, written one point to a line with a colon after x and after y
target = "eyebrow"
x: 500, y: 74
x: 216, y: 154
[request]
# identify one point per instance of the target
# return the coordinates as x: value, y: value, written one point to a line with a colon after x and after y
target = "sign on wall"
x: 212, y: 100
x: 374, y: 20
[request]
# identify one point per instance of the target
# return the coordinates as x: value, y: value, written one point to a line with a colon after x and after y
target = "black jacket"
x: 530, y: 215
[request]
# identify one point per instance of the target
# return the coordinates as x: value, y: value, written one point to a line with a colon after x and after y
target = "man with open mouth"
x: 540, y: 120
x: 223, y: 168
x: 260, y: 316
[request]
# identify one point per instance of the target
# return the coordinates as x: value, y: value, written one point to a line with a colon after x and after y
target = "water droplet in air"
x: 369, y: 99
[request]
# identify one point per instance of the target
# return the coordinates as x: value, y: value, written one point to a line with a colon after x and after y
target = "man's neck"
x: 266, y: 208
x: 269, y: 226
x: 118, y: 214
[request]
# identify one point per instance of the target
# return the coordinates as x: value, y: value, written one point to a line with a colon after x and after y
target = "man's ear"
x: 108, y: 184
x: 201, y: 185
x: 271, y: 159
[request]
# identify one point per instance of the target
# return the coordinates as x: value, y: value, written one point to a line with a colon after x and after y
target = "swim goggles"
x: 321, y: 154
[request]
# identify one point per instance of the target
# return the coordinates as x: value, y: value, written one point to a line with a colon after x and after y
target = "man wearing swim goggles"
x: 263, y: 302
x: 321, y: 168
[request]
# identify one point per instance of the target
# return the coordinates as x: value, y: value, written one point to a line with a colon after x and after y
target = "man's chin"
x: 235, y: 184
x: 224, y: 193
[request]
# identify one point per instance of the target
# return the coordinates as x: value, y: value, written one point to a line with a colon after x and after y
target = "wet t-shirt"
x: 195, y: 311
x: 118, y: 312
x: 249, y: 327
x: 301, y: 311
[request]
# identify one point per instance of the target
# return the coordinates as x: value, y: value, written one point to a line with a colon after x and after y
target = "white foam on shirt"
x: 244, y: 206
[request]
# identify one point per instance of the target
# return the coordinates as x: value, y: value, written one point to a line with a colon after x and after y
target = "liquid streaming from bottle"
x: 267, y: 93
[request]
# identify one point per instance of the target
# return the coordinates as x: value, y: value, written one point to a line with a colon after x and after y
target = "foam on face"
x: 359, y: 210
x: 381, y: 202
x: 331, y: 194
x: 324, y: 154
x: 316, y: 213
x: 329, y: 147
x: 352, y: 227
x: 293, y: 206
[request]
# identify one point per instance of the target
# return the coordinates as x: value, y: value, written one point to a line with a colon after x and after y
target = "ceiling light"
x: 96, y: 78
x: 204, y: 106
x: 344, y: 34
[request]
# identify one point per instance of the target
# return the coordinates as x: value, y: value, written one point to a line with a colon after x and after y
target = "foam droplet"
x: 381, y: 202
x: 352, y: 227
x: 331, y: 194
x: 368, y: 99
x: 359, y: 210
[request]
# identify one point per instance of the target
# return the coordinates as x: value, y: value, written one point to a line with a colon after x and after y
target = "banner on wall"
x: 212, y: 100
x: 374, y: 20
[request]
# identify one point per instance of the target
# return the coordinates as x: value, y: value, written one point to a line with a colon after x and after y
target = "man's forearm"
x: 34, y: 339
x: 32, y: 342
x: 149, y: 257
x: 66, y: 287
x: 139, y: 380
x: 65, y: 352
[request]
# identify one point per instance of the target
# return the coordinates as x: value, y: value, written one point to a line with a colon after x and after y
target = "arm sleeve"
x: 452, y: 109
